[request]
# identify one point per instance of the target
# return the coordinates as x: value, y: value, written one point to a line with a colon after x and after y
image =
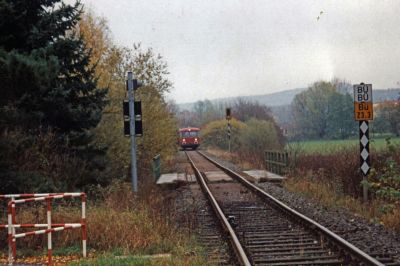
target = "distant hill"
x: 276, y: 98
x: 286, y: 97
x: 271, y: 99
x: 385, y: 95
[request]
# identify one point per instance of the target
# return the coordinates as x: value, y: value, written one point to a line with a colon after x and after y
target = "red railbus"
x: 189, y: 137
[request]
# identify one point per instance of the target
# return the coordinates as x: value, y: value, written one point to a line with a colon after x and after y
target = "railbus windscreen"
x: 189, y: 134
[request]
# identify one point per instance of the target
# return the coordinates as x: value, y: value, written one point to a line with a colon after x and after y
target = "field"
x: 331, y: 146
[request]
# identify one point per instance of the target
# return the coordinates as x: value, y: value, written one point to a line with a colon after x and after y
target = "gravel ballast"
x: 369, y: 237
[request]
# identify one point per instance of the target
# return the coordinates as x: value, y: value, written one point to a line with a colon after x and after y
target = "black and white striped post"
x: 363, y: 112
x: 365, y: 161
x: 229, y: 136
x: 228, y: 118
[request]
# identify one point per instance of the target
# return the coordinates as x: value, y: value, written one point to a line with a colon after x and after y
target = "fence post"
x: 10, y: 234
x: 49, y: 242
x: 286, y: 161
x: 14, y: 221
x: 279, y: 161
x: 83, y: 222
x: 269, y: 161
x: 156, y: 165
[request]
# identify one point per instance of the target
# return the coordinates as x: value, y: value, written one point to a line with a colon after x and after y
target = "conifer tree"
x: 45, y: 73
x: 49, y: 100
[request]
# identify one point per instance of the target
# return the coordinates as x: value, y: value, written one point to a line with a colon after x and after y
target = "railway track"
x: 264, y: 231
x: 209, y: 231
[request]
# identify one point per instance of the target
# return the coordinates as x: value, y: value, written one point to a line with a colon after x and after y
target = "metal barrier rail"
x: 48, y: 197
x: 13, y: 196
x: 276, y: 161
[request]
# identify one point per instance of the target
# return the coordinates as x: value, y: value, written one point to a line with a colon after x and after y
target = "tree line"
x: 62, y: 85
x: 206, y: 111
x: 325, y: 111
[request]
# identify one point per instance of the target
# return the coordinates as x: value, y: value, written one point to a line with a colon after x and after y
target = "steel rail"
x: 345, y: 245
x: 237, y: 246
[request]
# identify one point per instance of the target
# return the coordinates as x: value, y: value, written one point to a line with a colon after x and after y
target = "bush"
x: 38, y: 163
x: 215, y: 134
x: 340, y: 169
x: 256, y: 137
x: 384, y: 180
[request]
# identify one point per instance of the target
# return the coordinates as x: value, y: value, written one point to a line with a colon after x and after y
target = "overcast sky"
x: 223, y: 48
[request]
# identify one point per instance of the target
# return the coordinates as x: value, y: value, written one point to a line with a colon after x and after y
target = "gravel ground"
x: 195, y: 216
x: 224, y: 163
x: 371, y: 238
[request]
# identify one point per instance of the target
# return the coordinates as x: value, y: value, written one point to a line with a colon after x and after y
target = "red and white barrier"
x: 37, y: 225
x: 50, y: 227
x: 9, y: 196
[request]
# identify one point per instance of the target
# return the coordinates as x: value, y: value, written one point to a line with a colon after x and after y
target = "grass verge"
x: 179, y: 256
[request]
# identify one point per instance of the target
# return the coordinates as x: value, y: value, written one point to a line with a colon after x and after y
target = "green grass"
x: 331, y: 146
x: 190, y: 254
x: 176, y: 258
x: 67, y: 251
x: 109, y: 260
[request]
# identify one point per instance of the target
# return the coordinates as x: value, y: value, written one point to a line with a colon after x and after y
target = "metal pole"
x: 14, y: 221
x: 83, y: 225
x: 365, y: 190
x: 10, y: 234
x: 131, y: 96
